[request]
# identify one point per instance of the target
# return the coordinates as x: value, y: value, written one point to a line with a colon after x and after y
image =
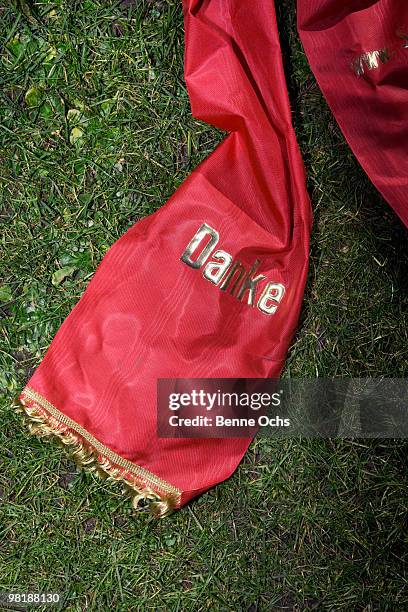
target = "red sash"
x: 209, y: 286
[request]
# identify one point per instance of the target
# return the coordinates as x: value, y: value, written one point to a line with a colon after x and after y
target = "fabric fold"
x: 358, y: 52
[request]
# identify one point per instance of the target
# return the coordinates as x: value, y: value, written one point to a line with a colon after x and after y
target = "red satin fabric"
x: 146, y: 314
x: 368, y: 96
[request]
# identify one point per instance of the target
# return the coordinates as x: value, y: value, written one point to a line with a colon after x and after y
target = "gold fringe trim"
x: 61, y: 420
x: 90, y: 458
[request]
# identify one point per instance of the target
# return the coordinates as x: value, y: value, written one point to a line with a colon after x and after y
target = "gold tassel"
x: 89, y: 459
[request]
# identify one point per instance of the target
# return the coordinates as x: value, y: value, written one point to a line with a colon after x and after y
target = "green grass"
x: 96, y: 132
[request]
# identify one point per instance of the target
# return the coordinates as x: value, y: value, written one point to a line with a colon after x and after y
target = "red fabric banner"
x: 358, y: 52
x: 211, y: 285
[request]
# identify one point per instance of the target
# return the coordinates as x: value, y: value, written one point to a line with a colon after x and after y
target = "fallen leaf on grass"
x: 62, y: 274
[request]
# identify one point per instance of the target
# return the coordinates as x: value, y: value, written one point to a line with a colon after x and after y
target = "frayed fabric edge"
x: 44, y: 425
